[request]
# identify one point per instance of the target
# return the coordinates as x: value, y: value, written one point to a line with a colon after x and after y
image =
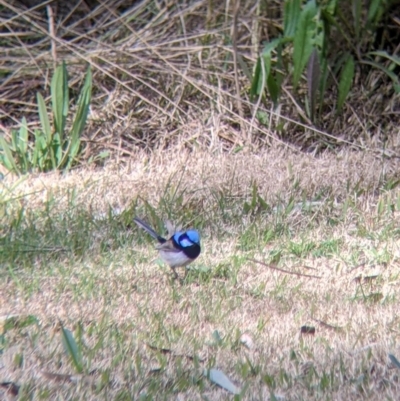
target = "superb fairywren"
x: 182, y: 247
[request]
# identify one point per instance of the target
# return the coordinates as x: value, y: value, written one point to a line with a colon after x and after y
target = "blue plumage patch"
x: 188, y: 238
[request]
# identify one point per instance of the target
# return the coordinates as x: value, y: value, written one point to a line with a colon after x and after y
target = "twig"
x: 52, y: 34
x: 282, y: 270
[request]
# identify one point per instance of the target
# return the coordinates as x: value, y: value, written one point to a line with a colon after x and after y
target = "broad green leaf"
x: 60, y: 97
x: 273, y: 89
x: 72, y: 349
x: 40, y: 151
x: 254, y: 89
x: 80, y: 119
x: 57, y: 148
x: 270, y: 46
x: 267, y: 77
x: 292, y: 11
x: 330, y: 8
x: 22, y: 147
x: 44, y: 118
x: 73, y: 151
x: 374, y: 7
x: 14, y: 146
x: 7, y: 157
x: 83, y: 105
x: 345, y: 82
x: 303, y: 40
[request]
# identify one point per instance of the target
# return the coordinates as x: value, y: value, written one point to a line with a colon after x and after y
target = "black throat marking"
x: 192, y: 251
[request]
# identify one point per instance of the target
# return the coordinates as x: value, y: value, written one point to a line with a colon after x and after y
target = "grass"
x: 75, y: 269
x: 88, y: 312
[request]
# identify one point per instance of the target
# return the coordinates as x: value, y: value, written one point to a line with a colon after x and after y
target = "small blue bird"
x: 182, y: 247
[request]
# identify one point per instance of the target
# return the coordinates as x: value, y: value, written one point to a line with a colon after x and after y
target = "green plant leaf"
x: 7, y: 157
x: 303, y: 40
x: 391, y: 74
x: 40, y: 150
x: 44, y: 118
x: 83, y: 105
x: 255, y: 81
x: 23, y: 136
x: 60, y: 98
x: 385, y: 54
x: 80, y: 118
x: 57, y: 148
x: 345, y: 82
x: 14, y: 146
x: 375, y: 7
x: 292, y: 9
x: 72, y: 349
x: 260, y: 77
x: 273, y: 89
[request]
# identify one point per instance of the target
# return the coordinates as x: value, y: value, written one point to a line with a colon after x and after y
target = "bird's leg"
x: 175, y: 273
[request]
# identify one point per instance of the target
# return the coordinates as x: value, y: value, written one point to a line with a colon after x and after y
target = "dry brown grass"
x: 124, y: 300
x: 278, y: 173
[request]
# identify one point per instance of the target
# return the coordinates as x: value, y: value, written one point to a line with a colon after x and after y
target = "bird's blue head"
x: 187, y: 238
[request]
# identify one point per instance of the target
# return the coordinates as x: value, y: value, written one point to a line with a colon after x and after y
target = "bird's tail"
x: 147, y: 228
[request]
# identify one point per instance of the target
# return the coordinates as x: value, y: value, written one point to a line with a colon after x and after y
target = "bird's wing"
x: 167, y: 246
x: 148, y: 229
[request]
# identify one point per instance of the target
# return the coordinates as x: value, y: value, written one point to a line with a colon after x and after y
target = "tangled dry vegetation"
x: 168, y: 74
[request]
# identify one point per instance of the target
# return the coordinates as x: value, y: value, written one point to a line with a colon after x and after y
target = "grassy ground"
x: 74, y: 268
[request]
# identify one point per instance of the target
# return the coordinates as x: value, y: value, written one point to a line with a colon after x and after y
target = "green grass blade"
x: 72, y: 349
x: 7, y: 157
x: 256, y: 80
x: 57, y: 148
x: 22, y: 151
x: 385, y: 54
x: 83, y: 106
x: 23, y: 136
x: 391, y: 74
x: 273, y: 89
x: 345, y: 82
x: 80, y: 119
x: 44, y: 118
x: 375, y: 7
x: 40, y: 150
x: 303, y: 40
x: 60, y: 97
